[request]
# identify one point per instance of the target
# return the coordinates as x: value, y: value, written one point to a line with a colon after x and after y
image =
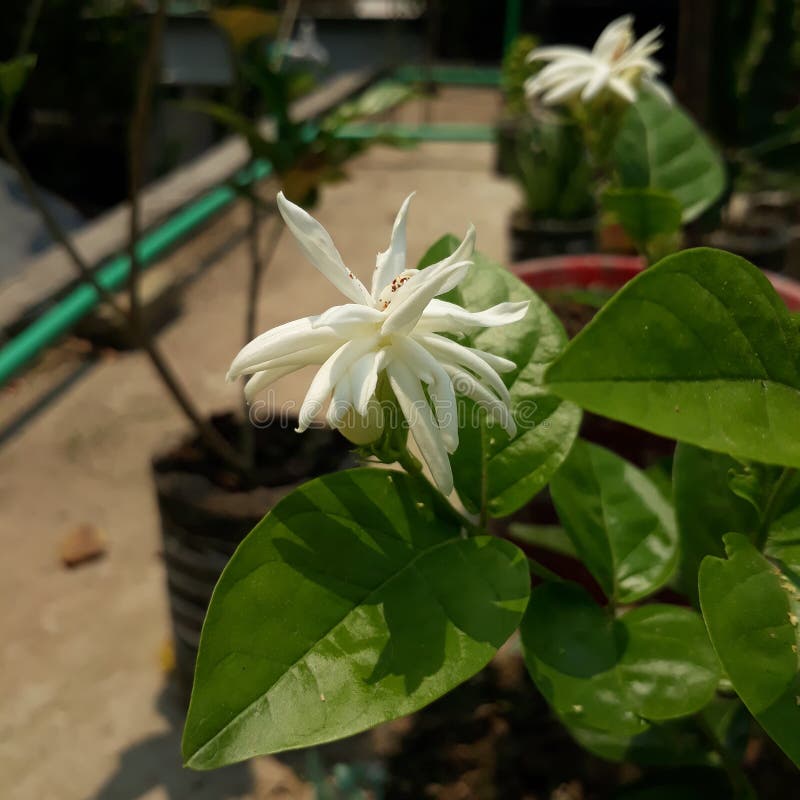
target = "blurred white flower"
x: 394, y: 328
x: 617, y: 63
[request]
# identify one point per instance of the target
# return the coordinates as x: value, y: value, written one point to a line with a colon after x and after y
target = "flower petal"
x: 418, y: 414
x: 623, y: 89
x: 596, y: 83
x: 553, y: 52
x: 411, y: 299
x: 329, y: 374
x: 288, y: 338
x: 342, y: 401
x: 462, y: 253
x: 392, y: 262
x: 616, y: 33
x: 348, y: 320
x: 440, y: 387
x: 365, y: 374
x: 567, y: 88
x: 497, y: 410
x: 660, y: 89
x: 262, y: 379
x: 457, y: 355
x: 443, y: 317
x: 320, y: 250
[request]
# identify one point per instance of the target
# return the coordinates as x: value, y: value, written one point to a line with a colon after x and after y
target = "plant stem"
x: 258, y: 265
x: 414, y: 470
x: 483, y: 519
x: 773, y: 506
x: 54, y: 229
x: 736, y: 775
x: 215, y: 442
x: 285, y: 27
x: 137, y: 142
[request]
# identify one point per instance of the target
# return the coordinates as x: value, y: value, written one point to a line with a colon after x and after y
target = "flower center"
x: 386, y: 295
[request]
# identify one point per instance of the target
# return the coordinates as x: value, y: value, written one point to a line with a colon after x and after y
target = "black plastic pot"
x: 205, y: 513
x: 763, y: 240
x: 532, y: 237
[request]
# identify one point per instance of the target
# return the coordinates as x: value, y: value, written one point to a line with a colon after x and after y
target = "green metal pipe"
x: 443, y: 132
x: 113, y: 275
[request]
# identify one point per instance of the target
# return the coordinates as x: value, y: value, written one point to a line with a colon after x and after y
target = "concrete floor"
x: 85, y: 704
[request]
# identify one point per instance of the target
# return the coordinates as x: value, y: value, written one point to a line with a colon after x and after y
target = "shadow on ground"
x: 156, y: 762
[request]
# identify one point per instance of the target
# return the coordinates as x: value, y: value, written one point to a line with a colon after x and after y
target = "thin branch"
x: 773, y: 506
x: 285, y: 27
x: 215, y: 442
x: 54, y: 228
x: 258, y: 265
x: 139, y: 128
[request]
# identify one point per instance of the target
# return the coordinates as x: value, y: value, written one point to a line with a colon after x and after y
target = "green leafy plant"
x: 648, y: 156
x: 365, y: 595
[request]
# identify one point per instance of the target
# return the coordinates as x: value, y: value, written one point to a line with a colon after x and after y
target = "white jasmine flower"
x: 617, y: 62
x: 395, y: 328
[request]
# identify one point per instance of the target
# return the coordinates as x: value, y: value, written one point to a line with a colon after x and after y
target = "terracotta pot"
x: 611, y: 272
x: 205, y: 514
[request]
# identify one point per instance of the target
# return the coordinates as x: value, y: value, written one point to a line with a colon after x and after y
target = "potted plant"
x: 653, y: 170
x: 545, y: 156
x: 364, y: 594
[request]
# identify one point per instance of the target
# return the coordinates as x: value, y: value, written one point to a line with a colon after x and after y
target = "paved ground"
x: 85, y: 706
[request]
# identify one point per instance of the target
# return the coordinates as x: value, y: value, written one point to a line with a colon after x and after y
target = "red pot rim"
x: 607, y: 271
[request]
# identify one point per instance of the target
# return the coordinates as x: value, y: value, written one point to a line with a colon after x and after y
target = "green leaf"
x: 751, y: 609
x: 783, y: 543
x: 350, y: 604
x: 660, y: 147
x: 487, y: 464
x: 706, y: 509
x: 643, y: 213
x: 621, y: 525
x: 13, y: 75
x: 377, y: 100
x: 699, y: 348
x: 550, y: 537
x: 678, y: 742
x: 653, y: 663
x: 673, y: 743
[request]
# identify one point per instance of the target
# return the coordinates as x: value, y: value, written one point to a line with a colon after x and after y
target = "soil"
x: 495, y: 738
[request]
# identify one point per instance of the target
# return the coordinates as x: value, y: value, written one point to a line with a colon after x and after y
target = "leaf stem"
x: 483, y: 519
x: 414, y: 470
x: 773, y: 506
x: 736, y: 775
